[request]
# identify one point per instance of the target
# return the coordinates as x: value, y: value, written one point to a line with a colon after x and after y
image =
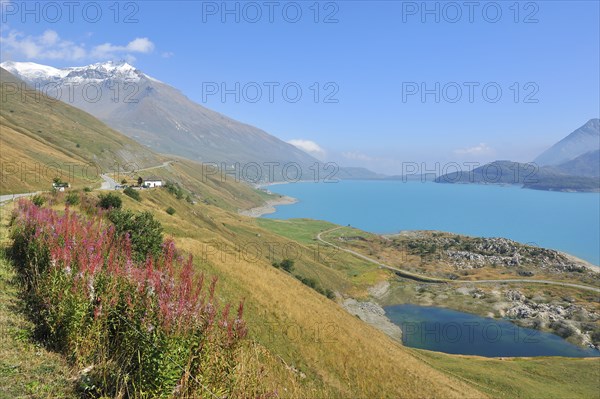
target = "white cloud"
x: 49, y: 38
x: 46, y: 46
x: 167, y: 54
x: 141, y: 45
x: 50, y: 46
x: 480, y: 149
x: 308, y: 146
x: 357, y: 156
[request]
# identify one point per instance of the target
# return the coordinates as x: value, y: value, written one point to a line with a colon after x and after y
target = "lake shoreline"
x: 268, y: 207
x: 427, y: 206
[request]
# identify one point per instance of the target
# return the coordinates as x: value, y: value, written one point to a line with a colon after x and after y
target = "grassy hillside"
x: 309, y: 346
x: 43, y: 138
x: 27, y: 369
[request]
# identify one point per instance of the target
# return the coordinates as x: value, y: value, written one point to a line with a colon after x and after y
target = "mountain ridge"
x: 574, y: 167
x: 163, y: 118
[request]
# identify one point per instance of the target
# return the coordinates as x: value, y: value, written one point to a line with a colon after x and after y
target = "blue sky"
x: 370, y: 57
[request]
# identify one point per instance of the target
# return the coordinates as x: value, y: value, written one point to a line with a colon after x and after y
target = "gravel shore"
x: 268, y: 207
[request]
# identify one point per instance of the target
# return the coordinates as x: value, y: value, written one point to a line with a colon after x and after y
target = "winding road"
x: 10, y: 197
x: 108, y: 183
x: 427, y: 279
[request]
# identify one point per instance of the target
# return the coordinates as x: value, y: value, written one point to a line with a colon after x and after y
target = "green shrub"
x: 38, y: 200
x: 171, y: 210
x: 145, y: 232
x: 135, y: 194
x: 174, y: 189
x: 110, y: 201
x: 72, y: 198
x: 87, y: 189
x: 286, y: 264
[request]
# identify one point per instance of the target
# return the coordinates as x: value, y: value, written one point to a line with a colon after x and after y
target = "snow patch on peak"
x: 31, y: 70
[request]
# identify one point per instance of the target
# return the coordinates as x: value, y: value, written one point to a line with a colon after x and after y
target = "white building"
x: 152, y: 182
x: 60, y: 186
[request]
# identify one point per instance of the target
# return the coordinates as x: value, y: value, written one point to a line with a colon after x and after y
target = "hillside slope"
x: 587, y: 165
x: 164, y: 119
x: 43, y: 138
x: 159, y: 115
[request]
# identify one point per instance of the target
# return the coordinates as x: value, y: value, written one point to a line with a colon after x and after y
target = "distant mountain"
x: 160, y: 116
x: 587, y: 165
x: 527, y: 175
x: 358, y: 173
x: 572, y: 164
x: 497, y: 172
x: 579, y: 142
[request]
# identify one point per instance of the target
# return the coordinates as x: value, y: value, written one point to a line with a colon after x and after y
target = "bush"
x: 171, y: 210
x: 145, y: 326
x: 110, y: 201
x: 72, y: 199
x: 525, y: 273
x: 309, y: 281
x: 87, y: 189
x: 135, y: 194
x: 141, y: 229
x: 286, y: 264
x: 174, y: 189
x: 38, y: 200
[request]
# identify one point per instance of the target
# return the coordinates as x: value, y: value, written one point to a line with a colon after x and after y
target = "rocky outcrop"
x: 472, y: 253
x: 472, y: 260
x: 566, y: 321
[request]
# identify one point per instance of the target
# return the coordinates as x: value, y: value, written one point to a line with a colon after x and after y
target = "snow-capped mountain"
x: 156, y: 114
x: 37, y: 73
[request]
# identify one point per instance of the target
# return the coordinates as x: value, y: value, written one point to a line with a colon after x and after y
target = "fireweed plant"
x: 150, y: 328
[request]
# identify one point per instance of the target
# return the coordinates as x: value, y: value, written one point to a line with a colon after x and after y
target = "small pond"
x: 450, y: 331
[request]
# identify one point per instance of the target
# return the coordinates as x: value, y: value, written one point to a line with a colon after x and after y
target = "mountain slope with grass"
x: 305, y: 344
x: 162, y: 117
x: 43, y: 138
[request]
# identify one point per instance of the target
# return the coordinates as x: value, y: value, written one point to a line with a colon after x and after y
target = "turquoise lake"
x: 449, y: 331
x: 569, y: 222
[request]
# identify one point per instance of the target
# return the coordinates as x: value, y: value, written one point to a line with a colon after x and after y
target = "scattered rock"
x: 379, y: 290
x: 374, y: 315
